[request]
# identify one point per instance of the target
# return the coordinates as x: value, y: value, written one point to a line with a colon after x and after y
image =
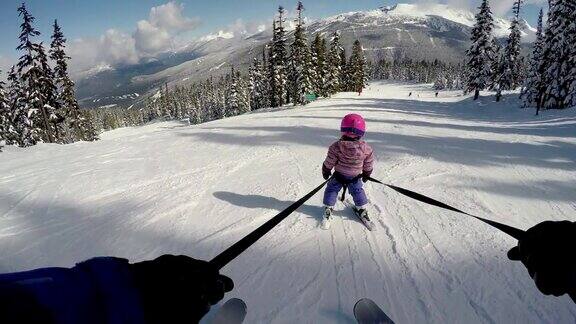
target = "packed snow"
x: 195, y: 190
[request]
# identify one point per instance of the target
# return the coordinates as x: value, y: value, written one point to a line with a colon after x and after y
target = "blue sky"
x: 90, y: 20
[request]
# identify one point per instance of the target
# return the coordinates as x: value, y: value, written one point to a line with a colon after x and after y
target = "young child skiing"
x: 353, y: 161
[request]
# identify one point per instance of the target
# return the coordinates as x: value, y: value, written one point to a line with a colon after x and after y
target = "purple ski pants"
x: 354, y: 188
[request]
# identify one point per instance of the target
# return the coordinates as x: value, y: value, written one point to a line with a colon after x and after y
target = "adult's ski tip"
x: 233, y: 311
x: 366, y: 311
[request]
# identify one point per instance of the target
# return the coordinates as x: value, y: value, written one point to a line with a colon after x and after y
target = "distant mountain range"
x: 405, y: 30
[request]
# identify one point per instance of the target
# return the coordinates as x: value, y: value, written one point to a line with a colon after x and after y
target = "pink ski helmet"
x: 353, y: 125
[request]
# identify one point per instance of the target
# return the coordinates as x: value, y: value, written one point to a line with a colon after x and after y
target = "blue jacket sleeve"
x: 99, y: 290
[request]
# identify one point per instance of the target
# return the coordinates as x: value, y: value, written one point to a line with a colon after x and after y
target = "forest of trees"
x: 293, y: 71
x: 445, y: 76
x: 38, y: 104
x: 41, y: 107
x: 547, y: 78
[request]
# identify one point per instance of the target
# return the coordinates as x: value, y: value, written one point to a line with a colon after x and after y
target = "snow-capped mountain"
x: 419, y: 32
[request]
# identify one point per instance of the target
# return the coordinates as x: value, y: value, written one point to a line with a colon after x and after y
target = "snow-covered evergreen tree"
x: 498, y: 67
x: 258, y: 84
x: 440, y: 82
x: 277, y: 62
x: 333, y: 68
x: 534, y: 85
x: 76, y: 125
x: 357, y: 68
x: 301, y: 73
x: 21, y: 124
x: 319, y: 65
x: 32, y: 119
x: 344, y: 74
x: 568, y: 82
x: 238, y: 101
x: 558, y: 53
x: 512, y: 58
x: 479, y: 55
x: 243, y: 94
x: 6, y: 128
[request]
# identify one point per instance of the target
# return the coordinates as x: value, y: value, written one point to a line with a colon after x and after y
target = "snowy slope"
x: 169, y: 188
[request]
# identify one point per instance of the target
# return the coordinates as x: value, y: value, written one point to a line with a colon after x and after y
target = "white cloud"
x: 151, y: 36
x: 112, y: 48
x: 238, y: 28
x: 151, y: 39
x: 169, y: 17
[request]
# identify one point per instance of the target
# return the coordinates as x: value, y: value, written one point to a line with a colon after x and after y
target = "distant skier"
x: 436, y: 94
x: 410, y: 94
x: 353, y: 162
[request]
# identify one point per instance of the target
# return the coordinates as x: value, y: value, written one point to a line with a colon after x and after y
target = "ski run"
x: 195, y: 190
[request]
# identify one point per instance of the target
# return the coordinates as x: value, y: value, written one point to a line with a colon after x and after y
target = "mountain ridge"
x: 419, y: 32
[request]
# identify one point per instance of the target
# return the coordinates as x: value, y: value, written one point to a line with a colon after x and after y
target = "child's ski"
x: 232, y: 312
x: 367, y: 312
x: 362, y: 216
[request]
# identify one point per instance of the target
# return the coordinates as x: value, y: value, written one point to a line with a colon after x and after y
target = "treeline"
x: 445, y: 76
x: 38, y: 104
x: 287, y: 72
x: 548, y: 79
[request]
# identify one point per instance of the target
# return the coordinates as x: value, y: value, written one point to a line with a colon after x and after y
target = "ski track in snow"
x: 195, y: 190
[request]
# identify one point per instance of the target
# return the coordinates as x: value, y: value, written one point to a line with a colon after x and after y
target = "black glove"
x: 178, y: 288
x: 366, y: 176
x: 547, y: 251
x: 326, y: 173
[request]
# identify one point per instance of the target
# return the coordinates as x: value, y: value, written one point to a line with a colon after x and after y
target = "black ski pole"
x: 512, y: 231
x: 235, y: 250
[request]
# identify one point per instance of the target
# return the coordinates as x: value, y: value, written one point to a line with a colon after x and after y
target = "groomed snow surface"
x: 169, y: 188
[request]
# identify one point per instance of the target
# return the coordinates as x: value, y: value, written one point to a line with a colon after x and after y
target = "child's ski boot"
x: 327, y: 217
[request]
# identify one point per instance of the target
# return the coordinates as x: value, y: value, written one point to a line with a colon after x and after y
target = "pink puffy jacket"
x: 350, y: 158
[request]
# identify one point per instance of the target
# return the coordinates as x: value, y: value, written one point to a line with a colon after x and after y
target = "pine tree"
x: 534, y: 84
x: 333, y: 68
x: 570, y: 52
x: 344, y: 73
x: 558, y: 53
x: 77, y: 127
x: 48, y: 96
x: 243, y: 94
x: 257, y: 82
x: 300, y: 70
x: 33, y: 117
x: 277, y: 62
x: 319, y: 65
x: 265, y: 81
x: 512, y: 60
x: 18, y: 112
x: 357, y: 68
x: 6, y: 128
x: 479, y: 55
x: 238, y: 101
x: 497, y: 68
